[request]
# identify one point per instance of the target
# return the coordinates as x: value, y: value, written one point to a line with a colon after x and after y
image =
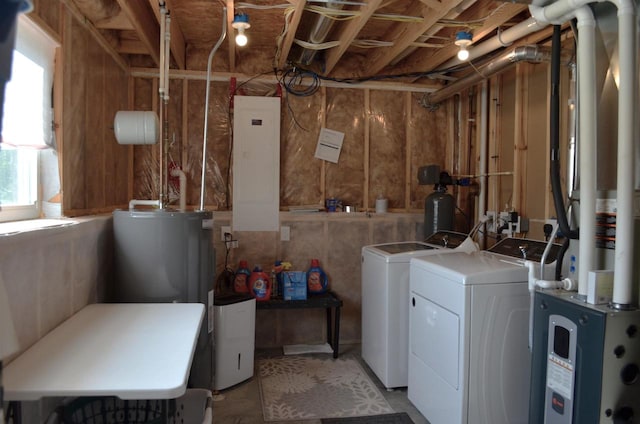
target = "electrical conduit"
x: 223, y: 34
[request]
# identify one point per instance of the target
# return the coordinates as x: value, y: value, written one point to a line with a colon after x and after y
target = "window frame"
x: 43, y: 40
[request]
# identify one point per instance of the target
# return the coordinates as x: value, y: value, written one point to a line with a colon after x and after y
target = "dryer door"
x: 434, y: 338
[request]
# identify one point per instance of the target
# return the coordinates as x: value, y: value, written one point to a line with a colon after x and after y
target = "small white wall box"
x: 600, y: 287
x: 256, y: 163
x: 234, y: 339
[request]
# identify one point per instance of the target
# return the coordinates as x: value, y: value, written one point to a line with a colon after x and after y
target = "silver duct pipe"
x: 534, y: 54
x: 319, y: 33
x: 504, y: 39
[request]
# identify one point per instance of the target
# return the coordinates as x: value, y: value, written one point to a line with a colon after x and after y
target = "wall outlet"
x: 226, y: 229
x: 285, y: 233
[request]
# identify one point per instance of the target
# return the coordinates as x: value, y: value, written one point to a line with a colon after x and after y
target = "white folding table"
x: 128, y: 350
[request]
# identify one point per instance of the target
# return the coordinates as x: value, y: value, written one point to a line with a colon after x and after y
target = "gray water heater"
x: 168, y: 256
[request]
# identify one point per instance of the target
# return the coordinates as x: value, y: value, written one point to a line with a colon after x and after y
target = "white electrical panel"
x: 256, y: 163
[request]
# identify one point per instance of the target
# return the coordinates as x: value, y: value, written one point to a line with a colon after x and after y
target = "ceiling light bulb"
x: 463, y: 40
x: 463, y: 54
x: 241, y: 39
x: 241, y: 23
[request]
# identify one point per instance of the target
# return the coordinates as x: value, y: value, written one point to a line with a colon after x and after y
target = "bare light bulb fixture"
x: 463, y: 40
x: 241, y: 23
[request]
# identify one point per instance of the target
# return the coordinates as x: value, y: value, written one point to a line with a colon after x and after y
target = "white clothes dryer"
x: 385, y: 301
x: 469, y: 361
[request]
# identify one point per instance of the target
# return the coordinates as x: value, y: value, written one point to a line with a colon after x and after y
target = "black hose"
x: 560, y: 258
x: 554, y: 120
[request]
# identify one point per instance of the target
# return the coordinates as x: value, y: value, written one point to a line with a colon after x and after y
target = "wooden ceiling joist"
x: 350, y: 32
x: 404, y: 35
x: 495, y: 20
x: 178, y: 45
x: 291, y: 33
x: 143, y: 20
x: 119, y: 21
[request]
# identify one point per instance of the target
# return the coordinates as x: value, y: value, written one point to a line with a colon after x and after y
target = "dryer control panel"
x: 520, y: 248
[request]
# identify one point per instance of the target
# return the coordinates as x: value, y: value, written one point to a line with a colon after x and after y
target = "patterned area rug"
x: 304, y: 388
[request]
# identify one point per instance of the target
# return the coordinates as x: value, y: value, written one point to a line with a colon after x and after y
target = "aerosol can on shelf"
x: 317, y: 281
x: 241, y: 279
x: 260, y: 284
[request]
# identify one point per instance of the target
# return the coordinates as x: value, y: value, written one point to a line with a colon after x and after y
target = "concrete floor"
x: 240, y: 404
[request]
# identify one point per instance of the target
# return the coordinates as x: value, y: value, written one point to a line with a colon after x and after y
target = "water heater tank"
x: 439, y: 211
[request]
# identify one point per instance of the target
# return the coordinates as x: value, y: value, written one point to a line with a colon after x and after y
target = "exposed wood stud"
x: 408, y: 143
x: 231, y: 42
x: 285, y: 47
x: 367, y: 144
x: 71, y: 6
x: 148, y: 29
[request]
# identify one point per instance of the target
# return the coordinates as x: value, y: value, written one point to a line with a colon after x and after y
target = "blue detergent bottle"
x: 259, y: 284
x: 317, y: 282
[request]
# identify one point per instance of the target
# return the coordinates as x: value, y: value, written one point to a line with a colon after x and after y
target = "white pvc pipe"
x: 587, y: 101
x: 563, y: 10
x: 484, y: 142
x: 223, y: 34
x: 161, y: 106
x: 183, y: 187
x: 624, y: 251
x: 167, y: 54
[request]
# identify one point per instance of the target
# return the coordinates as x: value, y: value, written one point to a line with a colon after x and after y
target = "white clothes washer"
x: 385, y: 301
x: 469, y: 360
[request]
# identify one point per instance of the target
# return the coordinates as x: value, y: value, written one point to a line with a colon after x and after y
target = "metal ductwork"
x: 319, y: 33
x: 534, y: 54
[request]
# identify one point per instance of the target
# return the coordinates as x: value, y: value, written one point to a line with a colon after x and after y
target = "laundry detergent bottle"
x: 317, y: 281
x: 260, y: 284
x: 241, y: 279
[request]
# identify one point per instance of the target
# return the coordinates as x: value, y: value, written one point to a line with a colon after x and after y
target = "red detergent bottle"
x: 317, y: 281
x: 260, y: 284
x: 241, y: 279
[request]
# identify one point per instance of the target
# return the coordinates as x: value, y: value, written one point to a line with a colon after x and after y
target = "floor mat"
x: 398, y: 418
x: 304, y: 388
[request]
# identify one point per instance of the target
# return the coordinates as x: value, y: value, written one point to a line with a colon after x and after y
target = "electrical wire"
x: 294, y: 78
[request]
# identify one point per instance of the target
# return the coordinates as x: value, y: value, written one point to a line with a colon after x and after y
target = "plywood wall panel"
x: 76, y: 41
x: 345, y: 113
x: 94, y: 169
x: 94, y: 163
x: 145, y: 168
x: 116, y: 169
x: 387, y: 148
x: 299, y: 170
x: 49, y: 12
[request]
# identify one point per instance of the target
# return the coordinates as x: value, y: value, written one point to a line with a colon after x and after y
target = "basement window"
x: 26, y: 123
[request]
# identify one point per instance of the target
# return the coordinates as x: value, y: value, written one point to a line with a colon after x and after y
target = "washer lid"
x: 401, y: 249
x: 471, y: 268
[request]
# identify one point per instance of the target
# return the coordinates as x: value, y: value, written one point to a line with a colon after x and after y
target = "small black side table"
x: 328, y: 300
